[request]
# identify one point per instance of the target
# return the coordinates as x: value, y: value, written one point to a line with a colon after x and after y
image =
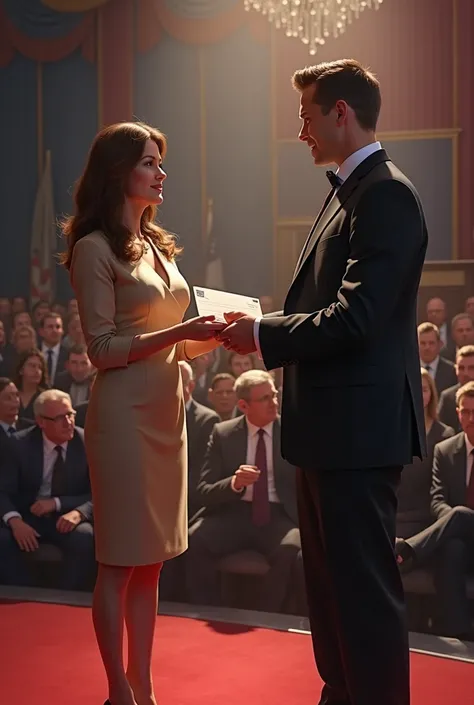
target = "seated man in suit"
x: 447, y: 411
x: 437, y: 313
x: 51, y: 333
x: 45, y: 495
x: 429, y: 344
x: 249, y: 498
x: 76, y: 380
x: 462, y: 333
x: 450, y: 540
x: 9, y: 408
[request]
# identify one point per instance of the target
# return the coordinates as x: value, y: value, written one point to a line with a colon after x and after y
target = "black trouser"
x: 213, y: 537
x: 77, y: 547
x: 354, y: 590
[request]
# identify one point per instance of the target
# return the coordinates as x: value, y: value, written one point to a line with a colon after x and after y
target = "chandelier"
x: 313, y: 21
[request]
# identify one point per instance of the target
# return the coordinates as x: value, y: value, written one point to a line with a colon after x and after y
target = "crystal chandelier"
x: 313, y: 21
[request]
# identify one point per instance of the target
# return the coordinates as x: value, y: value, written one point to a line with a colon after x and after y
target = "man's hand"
x: 68, y: 522
x: 24, y: 534
x: 246, y: 475
x: 43, y: 506
x: 238, y: 336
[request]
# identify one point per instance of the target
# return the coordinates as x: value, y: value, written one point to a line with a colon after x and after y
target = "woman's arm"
x: 189, y: 349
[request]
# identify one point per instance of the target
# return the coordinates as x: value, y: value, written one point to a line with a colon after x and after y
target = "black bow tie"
x: 334, y: 179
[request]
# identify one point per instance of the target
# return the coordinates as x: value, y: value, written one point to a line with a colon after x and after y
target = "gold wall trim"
x: 39, y: 118
x: 294, y: 222
x: 203, y: 142
x: 401, y: 135
x: 443, y: 277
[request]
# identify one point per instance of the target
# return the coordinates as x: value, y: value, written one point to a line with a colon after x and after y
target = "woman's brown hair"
x: 100, y: 194
x: 18, y: 377
x: 432, y: 407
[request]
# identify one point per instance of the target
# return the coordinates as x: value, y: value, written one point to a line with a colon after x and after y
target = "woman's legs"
x: 108, y: 613
x: 140, y: 616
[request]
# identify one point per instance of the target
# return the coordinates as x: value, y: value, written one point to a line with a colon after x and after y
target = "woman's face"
x: 426, y: 392
x: 32, y: 371
x: 145, y: 183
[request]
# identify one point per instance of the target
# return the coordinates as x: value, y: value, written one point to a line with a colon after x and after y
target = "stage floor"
x: 48, y: 656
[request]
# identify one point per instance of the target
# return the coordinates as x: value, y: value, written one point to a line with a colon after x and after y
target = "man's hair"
x: 221, y: 377
x: 428, y: 327
x: 465, y: 351
x: 77, y: 350
x: 49, y: 395
x: 247, y: 380
x: 4, y: 382
x: 186, y: 366
x: 460, y: 317
x: 47, y: 316
x: 345, y: 79
x: 467, y: 390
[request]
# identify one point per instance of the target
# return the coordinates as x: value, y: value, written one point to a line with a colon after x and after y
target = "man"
x: 464, y: 368
x: 45, y: 495
x: 469, y: 306
x: 436, y: 313
x: 450, y: 540
x: 462, y: 333
x: 239, y: 364
x: 442, y: 371
x: 77, y: 378
x: 352, y: 411
x: 9, y: 408
x: 222, y: 397
x: 51, y: 334
x: 248, y: 495
x: 75, y: 335
x: 203, y: 374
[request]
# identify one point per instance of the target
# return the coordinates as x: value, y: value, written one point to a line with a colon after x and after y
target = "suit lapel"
x: 36, y: 457
x: 238, y: 448
x: 459, y: 474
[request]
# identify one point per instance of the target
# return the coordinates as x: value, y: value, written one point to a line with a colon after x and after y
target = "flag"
x: 43, y: 239
x: 214, y: 275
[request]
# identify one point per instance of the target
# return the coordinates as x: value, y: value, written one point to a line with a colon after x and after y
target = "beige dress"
x: 135, y: 431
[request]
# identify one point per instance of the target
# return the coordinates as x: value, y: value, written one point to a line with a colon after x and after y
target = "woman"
x: 23, y: 340
x: 31, y: 378
x: 131, y: 300
x: 414, y: 513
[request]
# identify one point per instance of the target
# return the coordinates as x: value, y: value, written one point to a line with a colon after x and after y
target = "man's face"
x: 25, y: 340
x: 261, y: 408
x: 72, y: 307
x: 188, y: 384
x: 18, y: 304
x: 466, y: 416
x: 429, y: 346
x: 74, y: 329
x: 436, y: 312
x: 240, y: 364
x: 470, y: 306
x: 5, y: 306
x: 465, y: 369
x: 223, y: 397
x: 57, y: 421
x: 52, y: 331
x: 463, y: 332
x: 9, y: 404
x: 79, y: 367
x: 319, y: 131
x: 22, y: 320
x: 40, y: 311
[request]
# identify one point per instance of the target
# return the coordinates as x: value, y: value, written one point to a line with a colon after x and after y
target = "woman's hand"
x: 201, y: 328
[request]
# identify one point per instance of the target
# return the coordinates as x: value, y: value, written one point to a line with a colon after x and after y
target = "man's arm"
x: 214, y: 489
x: 439, y: 494
x: 9, y: 476
x: 386, y: 235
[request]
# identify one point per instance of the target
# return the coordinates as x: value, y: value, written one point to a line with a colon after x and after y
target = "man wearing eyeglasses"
x: 248, y: 496
x: 45, y: 495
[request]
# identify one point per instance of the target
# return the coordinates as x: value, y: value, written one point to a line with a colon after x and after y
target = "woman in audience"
x: 414, y: 513
x: 132, y: 300
x: 23, y: 340
x: 31, y: 378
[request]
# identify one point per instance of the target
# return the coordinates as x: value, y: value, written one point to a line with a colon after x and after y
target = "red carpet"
x: 48, y: 657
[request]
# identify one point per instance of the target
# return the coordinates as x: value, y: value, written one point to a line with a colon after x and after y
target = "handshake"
x: 236, y: 334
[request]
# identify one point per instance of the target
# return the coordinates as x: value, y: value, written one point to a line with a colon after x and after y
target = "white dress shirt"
x: 344, y: 171
x: 6, y: 426
x: 54, y: 359
x: 469, y: 449
x: 252, y: 440
x: 433, y: 367
x: 49, y: 458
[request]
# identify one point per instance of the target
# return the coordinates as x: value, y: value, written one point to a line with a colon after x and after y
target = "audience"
x: 21, y: 319
x: 249, y: 501
x: 38, y: 312
x: 76, y: 380
x: 469, y: 306
x: 436, y: 313
x: 74, y: 336
x: 45, y: 496
x: 31, y: 378
x: 55, y: 354
x: 23, y: 339
x: 222, y: 397
x: 465, y: 373
x: 237, y: 364
x: 462, y: 333
x: 18, y: 304
x: 9, y: 408
x: 203, y: 374
x: 430, y: 345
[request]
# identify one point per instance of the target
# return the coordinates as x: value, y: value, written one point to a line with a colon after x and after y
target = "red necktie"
x: 470, y: 487
x: 260, y: 502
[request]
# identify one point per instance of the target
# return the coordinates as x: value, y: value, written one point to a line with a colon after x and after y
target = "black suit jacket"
x: 445, y: 375
x: 447, y: 408
x: 81, y: 412
x: 226, y: 451
x: 60, y: 367
x: 199, y: 423
x: 21, y: 476
x: 64, y: 382
x: 348, y: 339
x: 449, y: 480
